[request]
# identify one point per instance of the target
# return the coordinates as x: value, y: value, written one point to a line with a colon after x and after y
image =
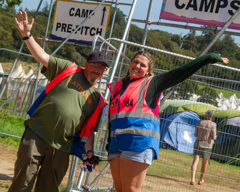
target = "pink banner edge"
x: 172, y: 17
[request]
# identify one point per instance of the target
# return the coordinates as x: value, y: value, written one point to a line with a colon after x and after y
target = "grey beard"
x: 92, y: 81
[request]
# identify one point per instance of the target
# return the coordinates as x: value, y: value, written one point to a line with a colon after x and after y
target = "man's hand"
x: 22, y: 23
x: 93, y: 160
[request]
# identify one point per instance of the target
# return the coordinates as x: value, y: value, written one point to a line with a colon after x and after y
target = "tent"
x: 43, y: 81
x: 231, y: 103
x: 175, y: 106
x: 29, y: 74
x: 177, y: 131
x: 227, y: 145
x: 18, y: 72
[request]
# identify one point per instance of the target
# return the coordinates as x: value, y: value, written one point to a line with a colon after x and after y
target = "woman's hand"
x: 22, y: 23
x: 225, y: 60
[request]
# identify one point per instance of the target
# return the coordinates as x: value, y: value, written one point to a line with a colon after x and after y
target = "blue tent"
x: 177, y: 131
x: 227, y: 144
x: 226, y: 148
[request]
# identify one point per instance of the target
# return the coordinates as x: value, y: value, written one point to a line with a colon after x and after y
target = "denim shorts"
x: 142, y: 157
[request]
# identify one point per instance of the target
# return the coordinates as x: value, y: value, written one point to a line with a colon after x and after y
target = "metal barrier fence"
x: 171, y: 172
x: 17, y: 90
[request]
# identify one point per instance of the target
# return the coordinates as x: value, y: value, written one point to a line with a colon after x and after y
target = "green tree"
x: 227, y: 46
x: 189, y: 42
x: 10, y: 3
x: 77, y: 58
x: 208, y: 95
x: 179, y: 39
x: 119, y: 23
x: 189, y: 45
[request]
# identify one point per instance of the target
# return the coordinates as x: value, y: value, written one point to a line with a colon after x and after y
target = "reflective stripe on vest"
x: 136, y: 131
x: 141, y: 101
x: 134, y: 114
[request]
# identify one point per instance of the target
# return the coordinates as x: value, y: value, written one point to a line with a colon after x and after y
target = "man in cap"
x: 44, y: 149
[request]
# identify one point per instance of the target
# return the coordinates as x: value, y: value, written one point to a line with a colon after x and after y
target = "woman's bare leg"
x: 115, y: 170
x: 128, y: 175
x: 132, y: 175
x: 203, y: 170
x: 194, y: 167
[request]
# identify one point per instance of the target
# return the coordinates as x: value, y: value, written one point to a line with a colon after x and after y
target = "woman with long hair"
x: 134, y: 120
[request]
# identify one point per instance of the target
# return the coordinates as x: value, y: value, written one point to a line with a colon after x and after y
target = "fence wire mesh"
x: 200, y: 92
x: 20, y: 83
x: 172, y: 170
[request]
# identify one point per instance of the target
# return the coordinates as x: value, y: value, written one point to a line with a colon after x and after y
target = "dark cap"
x: 98, y: 56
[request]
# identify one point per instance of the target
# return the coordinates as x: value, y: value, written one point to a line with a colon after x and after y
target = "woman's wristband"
x: 28, y: 37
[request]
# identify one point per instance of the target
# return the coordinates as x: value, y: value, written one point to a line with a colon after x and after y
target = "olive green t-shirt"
x: 66, y: 107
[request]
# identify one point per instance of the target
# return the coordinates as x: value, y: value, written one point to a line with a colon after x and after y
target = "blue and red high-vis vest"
x: 134, y: 124
x: 71, y: 69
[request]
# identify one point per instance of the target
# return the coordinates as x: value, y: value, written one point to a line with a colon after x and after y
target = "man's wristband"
x: 28, y: 37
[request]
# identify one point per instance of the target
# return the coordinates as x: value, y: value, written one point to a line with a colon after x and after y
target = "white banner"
x: 204, y: 12
x: 69, y: 14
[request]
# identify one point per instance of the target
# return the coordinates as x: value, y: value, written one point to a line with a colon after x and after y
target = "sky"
x: 139, y: 13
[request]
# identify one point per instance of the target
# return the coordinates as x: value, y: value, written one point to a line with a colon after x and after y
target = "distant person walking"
x: 205, y: 133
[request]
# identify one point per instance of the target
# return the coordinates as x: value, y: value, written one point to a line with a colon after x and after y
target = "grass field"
x: 177, y: 164
x: 170, y: 164
x: 11, y: 125
x: 225, y: 93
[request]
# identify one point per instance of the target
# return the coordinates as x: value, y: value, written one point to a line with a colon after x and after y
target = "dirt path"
x: 7, y: 160
x: 161, y: 184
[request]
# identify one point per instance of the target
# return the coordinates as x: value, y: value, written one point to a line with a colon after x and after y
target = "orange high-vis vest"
x: 134, y: 124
